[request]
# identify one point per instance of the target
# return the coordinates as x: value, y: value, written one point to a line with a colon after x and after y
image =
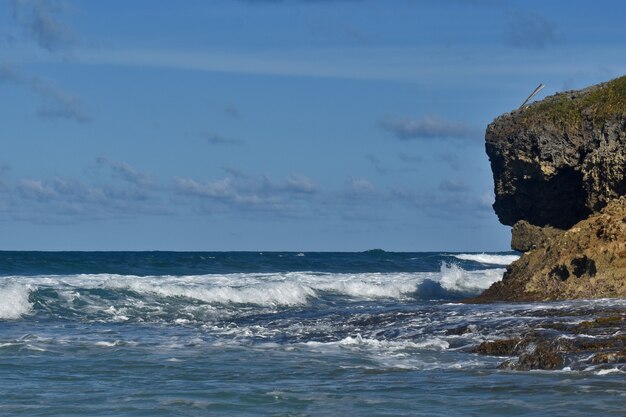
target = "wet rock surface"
x: 553, y: 345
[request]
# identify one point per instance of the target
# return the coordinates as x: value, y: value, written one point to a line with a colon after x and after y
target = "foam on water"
x: 393, y: 345
x: 14, y: 301
x: 385, y: 354
x: 368, y: 285
x: 200, y: 298
x: 609, y: 371
x: 488, y: 259
x: 456, y: 279
x: 104, y: 343
x: 270, y: 294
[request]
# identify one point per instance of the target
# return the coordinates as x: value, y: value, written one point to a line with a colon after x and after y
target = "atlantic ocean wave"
x: 202, y: 263
x: 208, y: 297
x: 15, y: 300
x: 487, y: 258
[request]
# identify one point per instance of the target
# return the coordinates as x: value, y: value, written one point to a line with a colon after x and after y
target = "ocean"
x: 276, y: 334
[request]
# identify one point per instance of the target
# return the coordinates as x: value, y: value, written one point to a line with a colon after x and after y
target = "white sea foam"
x: 391, y: 354
x: 14, y: 301
x: 104, y: 343
x: 486, y: 258
x: 223, y: 295
x: 384, y: 345
x: 270, y: 294
x: 456, y: 279
x: 278, y: 289
x: 608, y: 371
x: 370, y: 285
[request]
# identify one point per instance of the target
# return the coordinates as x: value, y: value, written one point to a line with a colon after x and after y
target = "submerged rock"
x: 543, y: 356
x: 555, y: 345
x: 501, y: 347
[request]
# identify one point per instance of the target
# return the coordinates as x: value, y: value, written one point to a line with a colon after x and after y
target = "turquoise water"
x: 196, y: 334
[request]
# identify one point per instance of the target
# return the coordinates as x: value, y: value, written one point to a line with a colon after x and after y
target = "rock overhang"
x: 561, y: 159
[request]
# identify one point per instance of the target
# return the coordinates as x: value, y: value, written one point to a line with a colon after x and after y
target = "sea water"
x: 276, y: 334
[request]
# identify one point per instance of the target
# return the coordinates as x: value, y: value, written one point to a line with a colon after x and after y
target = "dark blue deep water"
x: 276, y: 334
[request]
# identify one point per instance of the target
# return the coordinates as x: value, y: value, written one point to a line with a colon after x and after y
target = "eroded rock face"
x: 587, y: 261
x: 525, y: 236
x: 559, y: 160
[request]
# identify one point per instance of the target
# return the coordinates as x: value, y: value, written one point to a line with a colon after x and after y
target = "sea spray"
x: 456, y: 279
x: 487, y: 258
x: 14, y: 301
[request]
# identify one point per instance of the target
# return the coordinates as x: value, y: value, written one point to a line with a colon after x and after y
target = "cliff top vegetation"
x: 598, y: 103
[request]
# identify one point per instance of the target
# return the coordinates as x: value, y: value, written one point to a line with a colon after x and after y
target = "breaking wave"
x: 456, y: 279
x: 487, y: 259
x: 14, y: 301
x: 202, y: 297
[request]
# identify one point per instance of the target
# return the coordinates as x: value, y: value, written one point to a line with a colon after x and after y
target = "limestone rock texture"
x: 561, y: 159
x: 559, y: 169
x: 586, y: 261
x: 525, y: 236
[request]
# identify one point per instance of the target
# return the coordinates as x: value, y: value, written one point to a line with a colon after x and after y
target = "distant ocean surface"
x: 273, y: 334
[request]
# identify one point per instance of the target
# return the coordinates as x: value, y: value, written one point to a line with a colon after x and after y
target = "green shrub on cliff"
x: 599, y: 103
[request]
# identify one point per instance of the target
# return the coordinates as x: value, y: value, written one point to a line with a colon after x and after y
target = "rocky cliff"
x: 559, y: 168
x: 561, y: 159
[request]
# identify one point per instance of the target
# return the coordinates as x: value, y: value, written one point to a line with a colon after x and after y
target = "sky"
x: 265, y: 125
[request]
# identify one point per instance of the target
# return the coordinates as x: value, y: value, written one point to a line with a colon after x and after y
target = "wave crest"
x: 15, y: 301
x: 208, y: 297
x: 488, y: 259
x: 456, y: 279
x: 270, y: 294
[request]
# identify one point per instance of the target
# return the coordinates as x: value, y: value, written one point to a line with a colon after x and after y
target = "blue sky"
x: 274, y: 125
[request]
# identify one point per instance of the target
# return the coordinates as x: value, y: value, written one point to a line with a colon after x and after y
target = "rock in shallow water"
x: 554, y: 345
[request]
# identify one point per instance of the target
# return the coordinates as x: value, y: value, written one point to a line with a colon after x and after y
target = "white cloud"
x: 429, y: 127
x: 124, y: 171
x: 298, y: 183
x: 34, y: 189
x: 361, y: 189
x: 246, y: 193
